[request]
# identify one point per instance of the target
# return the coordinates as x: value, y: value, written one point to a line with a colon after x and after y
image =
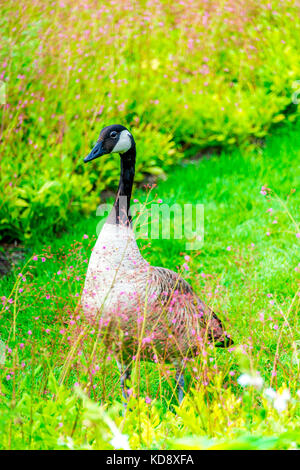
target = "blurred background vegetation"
x: 201, y: 84
x: 182, y: 76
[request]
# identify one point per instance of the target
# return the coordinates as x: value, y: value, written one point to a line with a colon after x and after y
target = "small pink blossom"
x: 146, y: 340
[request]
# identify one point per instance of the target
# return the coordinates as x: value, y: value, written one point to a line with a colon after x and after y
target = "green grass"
x: 252, y: 287
x: 181, y: 76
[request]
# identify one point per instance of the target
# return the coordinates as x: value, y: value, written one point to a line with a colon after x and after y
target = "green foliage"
x: 69, y: 420
x: 252, y: 287
x: 181, y: 76
x: 51, y: 191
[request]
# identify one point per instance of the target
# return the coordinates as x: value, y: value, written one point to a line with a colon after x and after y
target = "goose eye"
x: 113, y: 134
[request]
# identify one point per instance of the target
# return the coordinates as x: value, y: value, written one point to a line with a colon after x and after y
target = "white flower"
x: 254, y: 380
x: 280, y: 400
x: 270, y: 393
x: 69, y: 442
x: 120, y: 441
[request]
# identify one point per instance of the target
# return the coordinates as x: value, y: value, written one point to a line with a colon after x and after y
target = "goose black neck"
x: 120, y: 213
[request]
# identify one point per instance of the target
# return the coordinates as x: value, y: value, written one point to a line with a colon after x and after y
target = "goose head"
x: 112, y: 139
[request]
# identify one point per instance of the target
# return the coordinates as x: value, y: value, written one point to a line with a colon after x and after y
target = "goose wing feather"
x: 186, y: 307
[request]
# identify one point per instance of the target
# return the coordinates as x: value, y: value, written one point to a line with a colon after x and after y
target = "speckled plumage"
x: 135, y: 302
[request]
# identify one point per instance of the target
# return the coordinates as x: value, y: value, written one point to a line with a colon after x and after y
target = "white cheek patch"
x: 123, y: 144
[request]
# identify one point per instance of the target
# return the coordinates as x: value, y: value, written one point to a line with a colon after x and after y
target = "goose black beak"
x: 97, y: 151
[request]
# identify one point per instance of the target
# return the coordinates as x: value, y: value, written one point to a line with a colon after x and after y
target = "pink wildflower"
x: 146, y: 340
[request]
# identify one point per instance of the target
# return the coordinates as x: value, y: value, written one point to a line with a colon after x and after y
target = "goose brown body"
x: 173, y: 323
x: 138, y: 308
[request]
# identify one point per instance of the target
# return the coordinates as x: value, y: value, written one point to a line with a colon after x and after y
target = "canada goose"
x: 146, y: 310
